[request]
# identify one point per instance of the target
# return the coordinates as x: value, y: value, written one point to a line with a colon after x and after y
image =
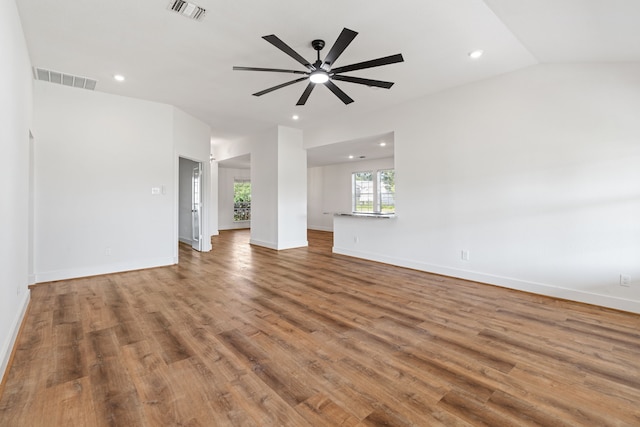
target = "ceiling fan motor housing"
x: 317, y: 44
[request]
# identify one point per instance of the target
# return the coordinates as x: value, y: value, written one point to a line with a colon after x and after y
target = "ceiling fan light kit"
x: 322, y: 72
x: 319, y: 76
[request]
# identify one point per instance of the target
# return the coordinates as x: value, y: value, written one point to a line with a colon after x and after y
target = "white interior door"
x: 196, y: 207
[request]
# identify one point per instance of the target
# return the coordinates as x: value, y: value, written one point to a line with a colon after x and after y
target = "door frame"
x: 196, y: 241
x: 205, y: 189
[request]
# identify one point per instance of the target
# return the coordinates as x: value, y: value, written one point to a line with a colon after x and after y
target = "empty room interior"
x: 410, y: 213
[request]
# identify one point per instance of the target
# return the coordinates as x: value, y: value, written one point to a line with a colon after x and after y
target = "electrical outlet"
x: 625, y: 280
x: 355, y: 239
x: 464, y: 255
x: 107, y: 251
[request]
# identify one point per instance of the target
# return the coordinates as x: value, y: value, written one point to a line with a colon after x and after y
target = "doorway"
x: 190, y: 203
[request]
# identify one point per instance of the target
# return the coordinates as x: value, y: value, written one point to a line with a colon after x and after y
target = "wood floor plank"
x: 69, y: 362
x: 566, y: 397
x: 274, y: 373
x: 213, y: 390
x: 320, y: 410
x: 172, y: 346
x: 66, y: 404
x: 475, y: 412
x: 249, y: 336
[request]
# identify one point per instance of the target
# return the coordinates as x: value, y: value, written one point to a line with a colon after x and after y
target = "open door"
x: 196, y: 207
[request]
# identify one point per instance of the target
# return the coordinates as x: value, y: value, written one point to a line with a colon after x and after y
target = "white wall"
x: 213, y: 199
x: 316, y: 217
x: 278, y: 185
x: 264, y: 189
x: 536, y: 173
x: 292, y: 189
x: 98, y: 158
x: 15, y: 121
x: 192, y: 137
x: 329, y: 190
x: 192, y: 140
x: 226, y: 177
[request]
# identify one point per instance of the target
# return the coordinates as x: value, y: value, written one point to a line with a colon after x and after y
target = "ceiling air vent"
x: 64, y: 79
x: 187, y: 9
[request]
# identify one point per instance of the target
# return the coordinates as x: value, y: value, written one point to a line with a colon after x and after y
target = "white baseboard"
x: 293, y: 245
x: 186, y: 240
x: 264, y: 244
x: 505, y: 282
x: 73, y: 273
x: 280, y: 246
x: 10, y: 341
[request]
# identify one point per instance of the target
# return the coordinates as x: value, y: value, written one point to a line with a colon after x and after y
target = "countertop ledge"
x: 364, y: 215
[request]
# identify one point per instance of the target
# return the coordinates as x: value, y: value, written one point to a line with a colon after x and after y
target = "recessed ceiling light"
x: 382, y: 144
x: 351, y: 157
x: 118, y: 77
x: 295, y: 117
x: 476, y: 54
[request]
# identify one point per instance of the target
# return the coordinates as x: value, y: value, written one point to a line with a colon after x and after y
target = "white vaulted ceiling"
x: 168, y: 58
x: 574, y: 30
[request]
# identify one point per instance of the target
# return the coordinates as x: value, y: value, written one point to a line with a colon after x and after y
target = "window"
x: 363, y: 192
x: 241, y: 199
x: 374, y: 192
x: 387, y: 191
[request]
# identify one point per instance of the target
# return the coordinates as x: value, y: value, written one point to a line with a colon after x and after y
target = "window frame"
x: 355, y: 193
x: 247, y: 217
x: 376, y: 193
x: 379, y: 191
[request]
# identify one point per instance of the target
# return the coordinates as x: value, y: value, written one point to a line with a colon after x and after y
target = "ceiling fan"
x: 321, y: 72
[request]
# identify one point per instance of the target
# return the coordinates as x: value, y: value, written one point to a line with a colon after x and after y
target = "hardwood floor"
x: 247, y: 336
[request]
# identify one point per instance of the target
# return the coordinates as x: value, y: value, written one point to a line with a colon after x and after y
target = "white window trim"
x: 377, y: 202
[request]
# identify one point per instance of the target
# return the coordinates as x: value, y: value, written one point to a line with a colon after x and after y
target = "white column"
x: 279, y: 190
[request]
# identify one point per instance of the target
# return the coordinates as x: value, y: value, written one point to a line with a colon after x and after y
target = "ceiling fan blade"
x: 306, y: 93
x: 271, y: 89
x: 274, y: 40
x: 274, y: 70
x: 368, y: 82
x: 338, y: 92
x: 344, y: 39
x: 369, y: 64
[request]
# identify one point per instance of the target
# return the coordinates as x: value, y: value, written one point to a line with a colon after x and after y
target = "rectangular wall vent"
x: 187, y: 9
x: 64, y: 79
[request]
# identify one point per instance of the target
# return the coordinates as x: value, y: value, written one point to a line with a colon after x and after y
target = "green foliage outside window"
x: 362, y: 192
x: 387, y: 181
x: 241, y: 200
